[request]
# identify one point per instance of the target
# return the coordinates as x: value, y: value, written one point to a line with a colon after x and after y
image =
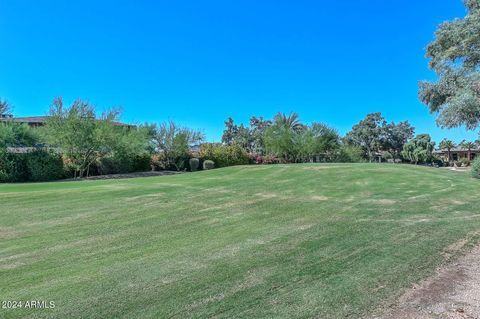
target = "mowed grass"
x: 286, y: 241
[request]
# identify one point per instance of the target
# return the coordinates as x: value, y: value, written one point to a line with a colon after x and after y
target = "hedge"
x: 36, y: 166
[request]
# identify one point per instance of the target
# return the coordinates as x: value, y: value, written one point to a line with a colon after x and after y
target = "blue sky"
x: 199, y: 62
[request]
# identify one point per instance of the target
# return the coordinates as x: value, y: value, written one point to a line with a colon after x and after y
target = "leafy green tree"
x: 14, y: 134
x: 455, y: 57
x: 244, y: 138
x: 368, y: 134
x: 319, y: 139
x: 395, y: 136
x: 230, y: 131
x: 448, y: 145
x: 82, y: 138
x: 258, y: 126
x: 419, y: 149
x: 283, y: 137
x: 173, y: 142
x: 234, y: 134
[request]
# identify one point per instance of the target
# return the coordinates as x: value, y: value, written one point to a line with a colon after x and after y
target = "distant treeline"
x: 77, y: 142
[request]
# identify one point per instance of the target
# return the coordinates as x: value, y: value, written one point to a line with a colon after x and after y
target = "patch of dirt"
x: 452, y: 293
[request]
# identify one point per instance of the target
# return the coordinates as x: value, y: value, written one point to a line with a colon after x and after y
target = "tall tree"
x: 419, y: 149
x: 290, y: 121
x: 237, y: 134
x: 395, y: 136
x: 283, y: 136
x: 174, y: 142
x: 455, y: 57
x: 368, y: 134
x: 469, y: 146
x: 243, y: 138
x: 79, y: 134
x: 326, y: 140
x: 448, y: 145
x: 258, y: 127
x: 230, y: 132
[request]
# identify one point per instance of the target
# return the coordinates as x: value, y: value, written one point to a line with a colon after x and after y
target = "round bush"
x: 476, y: 168
x: 194, y: 164
x: 208, y: 164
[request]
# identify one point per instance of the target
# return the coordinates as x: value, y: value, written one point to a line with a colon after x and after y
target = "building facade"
x: 457, y: 154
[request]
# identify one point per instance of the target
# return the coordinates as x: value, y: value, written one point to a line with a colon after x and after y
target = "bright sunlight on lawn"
x: 265, y: 241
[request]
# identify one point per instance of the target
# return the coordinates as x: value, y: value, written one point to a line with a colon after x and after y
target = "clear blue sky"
x: 199, y: 62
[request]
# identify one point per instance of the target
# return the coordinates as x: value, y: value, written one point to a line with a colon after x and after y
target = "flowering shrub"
x: 267, y: 159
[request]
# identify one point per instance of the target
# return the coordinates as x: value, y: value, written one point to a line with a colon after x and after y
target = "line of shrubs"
x: 36, y: 166
x: 44, y: 165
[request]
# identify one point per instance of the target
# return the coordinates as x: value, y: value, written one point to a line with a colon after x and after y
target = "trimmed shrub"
x: 476, y: 168
x: 208, y: 164
x: 37, y: 166
x: 194, y: 164
x: 44, y: 166
x: 224, y: 155
x: 13, y: 167
x: 122, y: 163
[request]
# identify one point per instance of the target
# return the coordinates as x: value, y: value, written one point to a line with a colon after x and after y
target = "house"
x: 37, y: 121
x: 457, y: 154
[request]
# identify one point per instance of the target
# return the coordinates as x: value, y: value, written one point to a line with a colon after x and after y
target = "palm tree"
x: 291, y: 121
x: 448, y: 145
x: 469, y: 146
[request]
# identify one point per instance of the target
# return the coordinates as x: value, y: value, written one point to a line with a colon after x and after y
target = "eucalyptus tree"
x: 368, y: 134
x: 395, y: 136
x: 455, y: 57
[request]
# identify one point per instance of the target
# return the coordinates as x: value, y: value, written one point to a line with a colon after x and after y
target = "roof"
x: 28, y: 119
x: 457, y: 149
x: 43, y: 119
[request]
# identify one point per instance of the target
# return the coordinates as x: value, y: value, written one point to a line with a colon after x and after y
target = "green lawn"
x: 294, y: 241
